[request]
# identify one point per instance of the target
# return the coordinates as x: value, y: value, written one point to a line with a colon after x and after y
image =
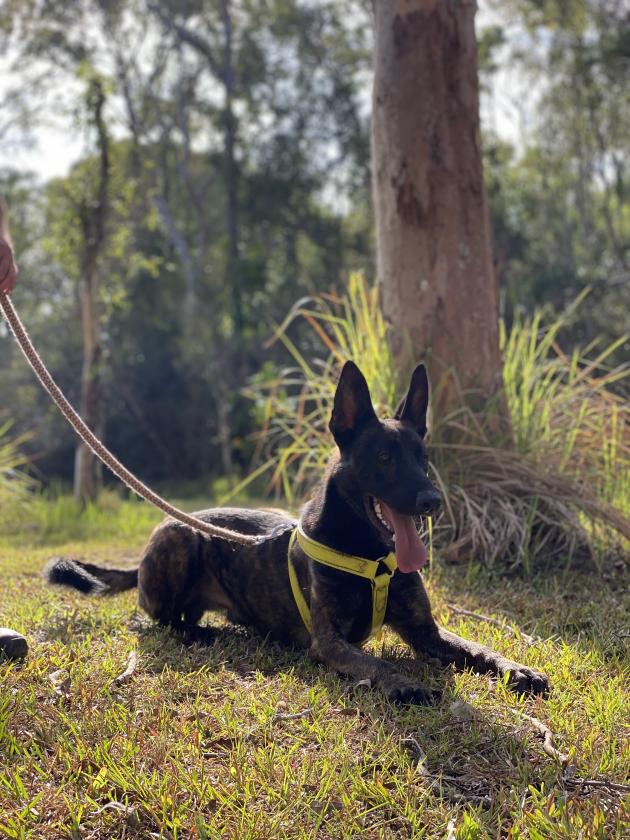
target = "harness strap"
x: 360, y: 566
x: 300, y: 600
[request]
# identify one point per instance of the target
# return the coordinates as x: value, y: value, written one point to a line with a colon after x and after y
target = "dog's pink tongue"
x: 411, y: 554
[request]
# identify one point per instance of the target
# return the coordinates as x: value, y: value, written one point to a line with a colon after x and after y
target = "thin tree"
x: 92, y: 213
x: 217, y: 51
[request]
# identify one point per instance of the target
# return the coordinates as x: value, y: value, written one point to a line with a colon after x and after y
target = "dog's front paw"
x: 405, y: 693
x: 524, y: 680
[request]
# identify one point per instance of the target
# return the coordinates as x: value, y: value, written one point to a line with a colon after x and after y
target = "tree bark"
x: 87, y: 468
x: 433, y: 239
x: 231, y: 171
x: 92, y: 214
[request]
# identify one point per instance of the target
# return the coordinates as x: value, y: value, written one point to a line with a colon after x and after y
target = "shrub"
x: 14, y: 482
x: 557, y: 489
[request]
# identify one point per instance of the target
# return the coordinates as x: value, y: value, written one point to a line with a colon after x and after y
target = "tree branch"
x: 192, y: 39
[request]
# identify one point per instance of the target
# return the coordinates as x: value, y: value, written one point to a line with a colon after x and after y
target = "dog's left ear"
x: 413, y: 409
x: 352, y: 407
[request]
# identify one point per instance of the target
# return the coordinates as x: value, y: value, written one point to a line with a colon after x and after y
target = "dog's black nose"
x: 428, y: 502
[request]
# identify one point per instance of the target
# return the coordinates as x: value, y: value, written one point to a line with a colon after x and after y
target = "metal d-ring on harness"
x: 344, y: 563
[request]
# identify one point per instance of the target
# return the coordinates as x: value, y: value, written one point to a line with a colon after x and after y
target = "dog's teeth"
x: 379, y: 515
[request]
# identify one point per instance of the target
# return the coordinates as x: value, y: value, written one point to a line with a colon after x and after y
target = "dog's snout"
x: 428, y: 502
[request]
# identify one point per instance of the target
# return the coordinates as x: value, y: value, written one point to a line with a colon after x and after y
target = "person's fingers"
x: 5, y: 265
x: 8, y: 276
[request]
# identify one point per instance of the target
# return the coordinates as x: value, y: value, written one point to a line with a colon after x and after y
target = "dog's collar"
x: 360, y: 566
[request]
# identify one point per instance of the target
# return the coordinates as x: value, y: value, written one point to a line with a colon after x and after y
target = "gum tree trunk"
x: 92, y: 213
x: 433, y: 240
x: 87, y: 468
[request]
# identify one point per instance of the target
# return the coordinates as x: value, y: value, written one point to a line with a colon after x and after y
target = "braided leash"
x: 98, y: 448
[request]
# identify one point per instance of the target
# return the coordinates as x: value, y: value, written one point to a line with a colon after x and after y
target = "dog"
x: 326, y: 583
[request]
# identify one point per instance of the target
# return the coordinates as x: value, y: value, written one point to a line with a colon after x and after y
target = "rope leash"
x: 98, y: 448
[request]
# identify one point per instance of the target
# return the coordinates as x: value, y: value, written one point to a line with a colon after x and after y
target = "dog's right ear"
x: 352, y: 407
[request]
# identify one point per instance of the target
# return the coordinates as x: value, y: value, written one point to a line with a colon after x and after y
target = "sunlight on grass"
x: 57, y: 518
x: 201, y: 742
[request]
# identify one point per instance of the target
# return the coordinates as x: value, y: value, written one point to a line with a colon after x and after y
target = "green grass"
x: 547, y: 489
x: 195, y: 745
x: 14, y: 483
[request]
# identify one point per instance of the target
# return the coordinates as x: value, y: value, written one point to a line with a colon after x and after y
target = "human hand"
x: 8, y: 268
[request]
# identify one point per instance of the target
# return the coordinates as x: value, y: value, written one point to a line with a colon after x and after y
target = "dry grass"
x: 557, y: 490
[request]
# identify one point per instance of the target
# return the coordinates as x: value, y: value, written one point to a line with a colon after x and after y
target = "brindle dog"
x: 375, y: 488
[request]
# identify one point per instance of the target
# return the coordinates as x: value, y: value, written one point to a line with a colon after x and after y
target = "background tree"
x: 560, y: 202
x: 172, y: 396
x: 92, y: 210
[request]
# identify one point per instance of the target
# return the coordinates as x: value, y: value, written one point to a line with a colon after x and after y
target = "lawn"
x: 249, y: 740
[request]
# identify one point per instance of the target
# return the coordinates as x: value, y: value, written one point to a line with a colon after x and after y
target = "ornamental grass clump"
x: 14, y: 482
x: 554, y: 490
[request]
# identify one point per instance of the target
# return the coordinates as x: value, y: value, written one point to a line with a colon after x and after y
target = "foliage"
x: 201, y: 741
x: 168, y: 322
x: 295, y: 402
x: 561, y: 206
x: 52, y: 517
x: 14, y: 482
x: 509, y: 505
x: 173, y: 373
x: 565, y: 409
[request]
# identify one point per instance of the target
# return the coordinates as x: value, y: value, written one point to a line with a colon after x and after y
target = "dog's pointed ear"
x: 413, y: 409
x: 352, y: 407
x: 400, y: 408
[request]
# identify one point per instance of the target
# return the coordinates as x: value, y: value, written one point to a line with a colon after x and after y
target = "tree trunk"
x: 87, y: 468
x: 433, y: 240
x: 92, y: 213
x: 231, y: 172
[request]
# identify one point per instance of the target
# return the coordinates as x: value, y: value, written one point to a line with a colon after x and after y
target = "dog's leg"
x: 450, y: 648
x: 193, y: 634
x: 329, y: 647
x: 334, y: 651
x: 409, y: 614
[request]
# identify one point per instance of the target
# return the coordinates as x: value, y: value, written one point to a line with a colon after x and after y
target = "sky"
x: 50, y: 148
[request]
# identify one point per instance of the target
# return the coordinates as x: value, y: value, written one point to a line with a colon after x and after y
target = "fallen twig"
x: 304, y: 713
x: 601, y: 783
x: 412, y: 746
x: 128, y: 673
x: 547, y: 735
x: 61, y: 682
x: 495, y: 621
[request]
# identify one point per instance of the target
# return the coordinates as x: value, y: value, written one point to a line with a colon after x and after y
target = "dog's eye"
x: 424, y: 461
x: 384, y: 457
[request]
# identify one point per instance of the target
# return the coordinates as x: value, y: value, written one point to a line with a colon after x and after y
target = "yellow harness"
x: 344, y: 563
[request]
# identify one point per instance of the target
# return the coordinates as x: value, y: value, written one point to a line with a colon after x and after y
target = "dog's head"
x: 382, y: 469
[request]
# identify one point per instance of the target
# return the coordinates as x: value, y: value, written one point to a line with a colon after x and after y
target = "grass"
x: 554, y: 491
x: 14, y: 483
x: 202, y: 742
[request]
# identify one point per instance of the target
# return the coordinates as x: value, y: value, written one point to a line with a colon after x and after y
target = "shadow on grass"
x: 464, y: 754
x: 579, y: 607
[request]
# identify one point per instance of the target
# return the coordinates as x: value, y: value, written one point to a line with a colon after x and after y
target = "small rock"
x: 462, y: 710
x: 13, y: 645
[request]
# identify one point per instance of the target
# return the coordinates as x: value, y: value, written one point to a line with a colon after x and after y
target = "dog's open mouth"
x: 402, y: 532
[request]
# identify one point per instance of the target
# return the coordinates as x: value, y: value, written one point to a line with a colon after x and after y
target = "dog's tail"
x: 88, y: 578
